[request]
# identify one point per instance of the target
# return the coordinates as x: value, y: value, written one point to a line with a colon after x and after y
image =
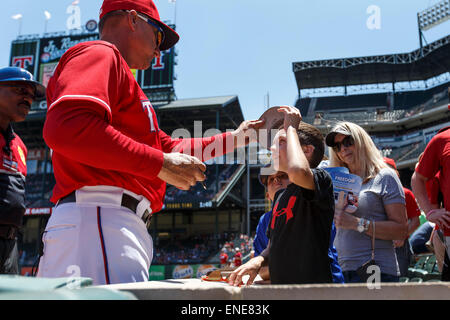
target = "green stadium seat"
x: 416, y: 279
x: 429, y: 265
x: 418, y: 269
x: 404, y: 279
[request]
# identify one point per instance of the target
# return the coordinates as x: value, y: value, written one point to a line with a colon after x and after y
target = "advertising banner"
x: 157, y: 272
x: 52, y: 49
x: 189, y: 271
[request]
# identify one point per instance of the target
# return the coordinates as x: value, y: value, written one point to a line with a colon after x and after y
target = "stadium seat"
x: 425, y: 268
x: 431, y: 269
x: 418, y: 269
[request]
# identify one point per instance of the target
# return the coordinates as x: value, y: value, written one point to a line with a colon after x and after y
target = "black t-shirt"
x: 300, y: 233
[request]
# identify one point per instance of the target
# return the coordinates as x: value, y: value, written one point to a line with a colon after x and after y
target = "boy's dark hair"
x: 308, y: 134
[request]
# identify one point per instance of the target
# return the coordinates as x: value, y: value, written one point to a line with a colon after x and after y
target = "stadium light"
x: 434, y: 15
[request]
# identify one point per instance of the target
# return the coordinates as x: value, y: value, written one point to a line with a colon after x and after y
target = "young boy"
x: 302, y: 217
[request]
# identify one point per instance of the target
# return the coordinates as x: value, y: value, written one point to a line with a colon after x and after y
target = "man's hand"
x: 181, y: 170
x: 251, y: 268
x: 246, y: 132
x: 292, y: 117
x: 440, y: 217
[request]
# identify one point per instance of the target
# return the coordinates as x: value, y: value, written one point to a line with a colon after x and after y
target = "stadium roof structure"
x: 222, y: 113
x: 421, y: 64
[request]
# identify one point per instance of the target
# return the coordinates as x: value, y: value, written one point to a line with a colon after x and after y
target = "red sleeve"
x: 433, y: 189
x: 77, y: 132
x: 99, y: 82
x: 429, y: 165
x: 412, y: 209
x: 202, y: 148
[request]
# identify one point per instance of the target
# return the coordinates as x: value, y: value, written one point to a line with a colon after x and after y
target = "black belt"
x: 127, y: 202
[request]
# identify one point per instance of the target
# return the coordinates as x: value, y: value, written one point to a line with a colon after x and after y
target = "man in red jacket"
x: 17, y: 92
x: 111, y: 160
x: 436, y: 160
x: 402, y: 246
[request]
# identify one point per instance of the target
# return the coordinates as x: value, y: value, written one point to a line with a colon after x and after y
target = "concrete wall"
x: 195, y: 289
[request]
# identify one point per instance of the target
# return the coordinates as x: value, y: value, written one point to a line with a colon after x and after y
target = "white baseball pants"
x: 97, y: 238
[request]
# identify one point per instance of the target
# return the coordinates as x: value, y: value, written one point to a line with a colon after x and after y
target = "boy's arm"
x: 297, y: 165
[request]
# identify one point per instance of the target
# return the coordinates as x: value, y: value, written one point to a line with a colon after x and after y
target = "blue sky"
x: 247, y: 47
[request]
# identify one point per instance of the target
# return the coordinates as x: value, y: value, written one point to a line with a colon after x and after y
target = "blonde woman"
x: 381, y: 204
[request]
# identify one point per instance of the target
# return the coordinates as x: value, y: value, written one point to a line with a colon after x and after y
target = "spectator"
x: 420, y: 237
x: 224, y: 258
x: 275, y: 182
x: 435, y: 160
x: 18, y: 90
x: 300, y: 228
x: 402, y: 247
x: 237, y: 258
x: 381, y: 203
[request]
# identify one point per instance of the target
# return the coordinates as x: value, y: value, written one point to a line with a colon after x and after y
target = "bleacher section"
x: 195, y: 249
x: 411, y: 151
x: 243, y: 242
x: 372, y: 107
x: 351, y: 102
x: 411, y: 99
x: 197, y: 195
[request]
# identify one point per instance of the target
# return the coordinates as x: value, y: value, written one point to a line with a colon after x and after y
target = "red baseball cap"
x: 390, y: 162
x: 148, y: 8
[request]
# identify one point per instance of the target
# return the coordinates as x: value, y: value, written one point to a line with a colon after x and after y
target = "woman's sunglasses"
x: 346, y: 142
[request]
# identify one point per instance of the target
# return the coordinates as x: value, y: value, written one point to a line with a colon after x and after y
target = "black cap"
x: 329, y: 139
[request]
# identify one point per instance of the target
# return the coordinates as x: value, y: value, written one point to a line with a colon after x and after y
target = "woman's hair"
x: 370, y: 158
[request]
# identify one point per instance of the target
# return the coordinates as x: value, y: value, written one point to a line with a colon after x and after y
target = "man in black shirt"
x: 302, y: 216
x: 17, y: 92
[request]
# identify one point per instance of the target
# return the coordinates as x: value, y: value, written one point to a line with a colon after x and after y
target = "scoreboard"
x: 40, y: 56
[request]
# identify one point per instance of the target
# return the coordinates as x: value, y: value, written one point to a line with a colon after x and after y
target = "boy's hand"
x: 251, y: 268
x: 292, y: 117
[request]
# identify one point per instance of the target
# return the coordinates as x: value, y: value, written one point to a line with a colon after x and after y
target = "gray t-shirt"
x: 354, y: 248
